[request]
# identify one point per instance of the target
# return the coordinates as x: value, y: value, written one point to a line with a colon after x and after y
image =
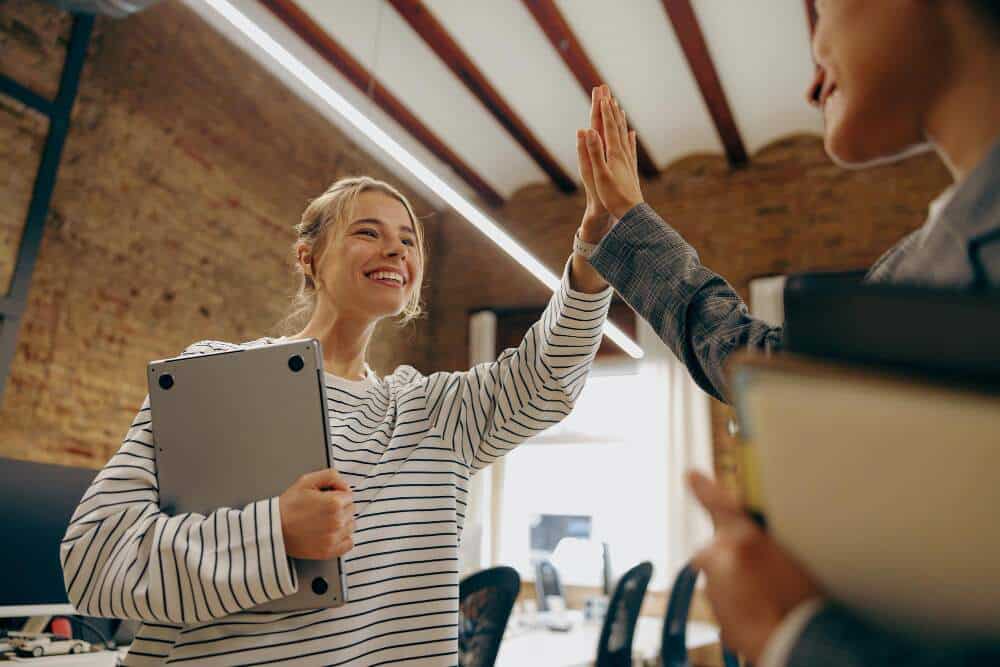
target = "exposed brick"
x: 185, y: 169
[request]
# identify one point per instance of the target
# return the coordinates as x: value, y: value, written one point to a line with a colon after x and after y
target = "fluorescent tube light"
x: 477, y: 218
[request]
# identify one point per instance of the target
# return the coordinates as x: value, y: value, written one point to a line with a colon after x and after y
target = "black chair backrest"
x: 485, y: 602
x: 614, y: 648
x: 673, y: 648
x: 546, y: 583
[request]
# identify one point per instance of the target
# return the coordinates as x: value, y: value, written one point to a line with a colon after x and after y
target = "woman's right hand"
x: 595, y: 214
x: 612, y: 156
x: 317, y: 516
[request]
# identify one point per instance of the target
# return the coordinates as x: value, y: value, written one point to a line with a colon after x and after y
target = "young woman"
x: 404, y: 448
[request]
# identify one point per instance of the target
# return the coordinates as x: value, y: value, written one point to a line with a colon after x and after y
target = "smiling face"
x: 371, y: 264
x: 880, y: 65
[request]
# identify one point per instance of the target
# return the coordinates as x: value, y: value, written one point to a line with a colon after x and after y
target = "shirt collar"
x: 935, y: 209
x: 971, y: 207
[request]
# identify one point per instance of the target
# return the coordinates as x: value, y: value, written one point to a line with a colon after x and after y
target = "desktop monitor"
x: 547, y: 530
x: 547, y: 587
x: 36, y: 503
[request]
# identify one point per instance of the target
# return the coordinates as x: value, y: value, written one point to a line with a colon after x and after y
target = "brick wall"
x: 790, y: 210
x: 185, y: 169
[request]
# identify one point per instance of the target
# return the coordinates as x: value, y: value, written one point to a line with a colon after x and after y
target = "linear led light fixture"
x: 493, y: 232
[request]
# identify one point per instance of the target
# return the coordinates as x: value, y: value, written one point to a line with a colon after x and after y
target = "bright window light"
x: 477, y: 218
x: 628, y: 463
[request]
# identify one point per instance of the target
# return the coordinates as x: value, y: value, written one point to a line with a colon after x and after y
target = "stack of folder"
x: 871, y: 449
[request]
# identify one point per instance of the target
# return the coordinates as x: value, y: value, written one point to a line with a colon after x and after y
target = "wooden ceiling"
x: 492, y: 53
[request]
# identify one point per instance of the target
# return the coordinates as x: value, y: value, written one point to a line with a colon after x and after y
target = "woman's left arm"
x: 490, y: 409
x: 597, y: 222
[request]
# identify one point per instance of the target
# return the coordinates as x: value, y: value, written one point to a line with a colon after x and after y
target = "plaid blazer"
x: 835, y: 637
x: 702, y: 319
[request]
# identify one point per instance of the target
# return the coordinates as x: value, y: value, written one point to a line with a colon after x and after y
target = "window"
x: 598, y: 476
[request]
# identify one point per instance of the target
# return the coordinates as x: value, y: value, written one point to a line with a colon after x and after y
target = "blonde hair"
x: 331, y: 213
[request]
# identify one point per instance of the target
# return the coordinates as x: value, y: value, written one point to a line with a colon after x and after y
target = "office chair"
x: 673, y: 648
x: 485, y: 602
x: 614, y: 648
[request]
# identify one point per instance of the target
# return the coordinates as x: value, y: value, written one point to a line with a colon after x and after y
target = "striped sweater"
x: 406, y: 443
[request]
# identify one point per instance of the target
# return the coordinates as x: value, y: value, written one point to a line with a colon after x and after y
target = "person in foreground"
x: 891, y: 76
x: 404, y: 447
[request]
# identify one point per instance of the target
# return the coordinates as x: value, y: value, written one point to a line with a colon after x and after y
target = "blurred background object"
x: 114, y: 8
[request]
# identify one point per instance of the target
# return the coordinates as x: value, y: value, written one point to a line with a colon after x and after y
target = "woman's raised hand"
x: 595, y: 216
x: 608, y: 165
x: 317, y: 516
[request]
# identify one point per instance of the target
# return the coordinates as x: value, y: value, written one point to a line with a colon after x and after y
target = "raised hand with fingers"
x: 595, y: 218
x: 593, y: 227
x: 611, y: 156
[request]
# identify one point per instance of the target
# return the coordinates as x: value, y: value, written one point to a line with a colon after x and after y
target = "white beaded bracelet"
x: 581, y: 247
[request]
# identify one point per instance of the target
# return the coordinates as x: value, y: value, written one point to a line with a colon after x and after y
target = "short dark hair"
x: 988, y: 10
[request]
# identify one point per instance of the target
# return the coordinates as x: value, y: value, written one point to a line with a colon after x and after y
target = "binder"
x: 870, y: 447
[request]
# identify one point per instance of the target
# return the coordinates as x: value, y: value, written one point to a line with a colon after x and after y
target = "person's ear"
x: 304, y: 256
x: 306, y: 262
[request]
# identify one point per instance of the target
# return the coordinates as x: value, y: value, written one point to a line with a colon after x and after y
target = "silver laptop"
x: 235, y: 427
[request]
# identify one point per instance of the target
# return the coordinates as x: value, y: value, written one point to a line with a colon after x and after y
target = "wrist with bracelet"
x: 582, y: 248
x: 594, y: 230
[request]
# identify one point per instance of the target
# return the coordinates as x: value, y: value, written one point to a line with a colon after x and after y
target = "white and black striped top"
x: 406, y: 443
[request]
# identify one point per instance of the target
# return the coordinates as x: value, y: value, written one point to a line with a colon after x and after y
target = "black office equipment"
x: 37, y: 501
x: 547, y: 585
x: 935, y: 331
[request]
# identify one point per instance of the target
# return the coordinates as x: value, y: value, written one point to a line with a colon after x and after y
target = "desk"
x: 95, y: 659
x: 578, y: 647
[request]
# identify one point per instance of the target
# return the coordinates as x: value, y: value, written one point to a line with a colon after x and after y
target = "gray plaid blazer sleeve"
x: 837, y: 638
x: 695, y: 311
